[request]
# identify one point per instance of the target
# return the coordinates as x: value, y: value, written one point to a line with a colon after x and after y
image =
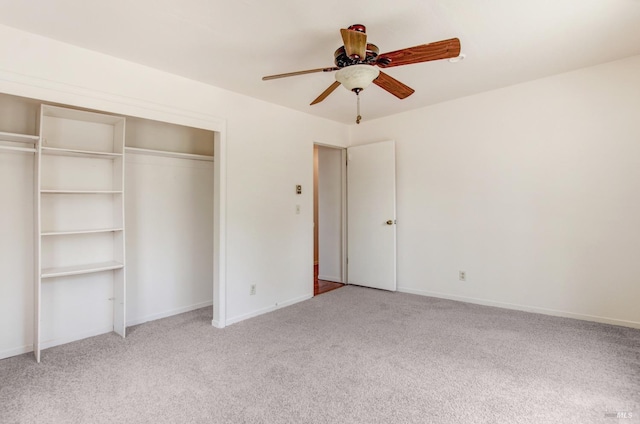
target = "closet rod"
x: 19, y: 149
x: 165, y: 153
x: 18, y: 138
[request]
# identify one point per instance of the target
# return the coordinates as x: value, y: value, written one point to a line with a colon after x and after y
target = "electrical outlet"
x: 462, y: 276
x: 253, y: 289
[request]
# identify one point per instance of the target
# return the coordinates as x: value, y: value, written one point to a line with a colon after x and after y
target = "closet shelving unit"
x: 80, y: 205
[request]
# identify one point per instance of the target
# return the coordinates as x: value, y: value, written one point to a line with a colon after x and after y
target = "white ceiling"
x: 232, y: 44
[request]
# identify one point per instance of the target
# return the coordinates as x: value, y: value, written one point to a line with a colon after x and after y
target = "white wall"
x: 16, y: 229
x: 16, y: 252
x: 330, y: 214
x: 169, y: 236
x: 533, y: 190
x: 269, y: 151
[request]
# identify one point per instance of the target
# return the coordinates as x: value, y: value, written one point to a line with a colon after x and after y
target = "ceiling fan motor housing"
x: 342, y: 60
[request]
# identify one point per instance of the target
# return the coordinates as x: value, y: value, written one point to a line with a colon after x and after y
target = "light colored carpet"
x: 353, y: 355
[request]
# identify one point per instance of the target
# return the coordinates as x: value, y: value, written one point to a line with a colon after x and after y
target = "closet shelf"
x: 80, y: 269
x: 71, y: 232
x: 19, y: 138
x: 165, y: 153
x: 79, y: 153
x: 81, y: 191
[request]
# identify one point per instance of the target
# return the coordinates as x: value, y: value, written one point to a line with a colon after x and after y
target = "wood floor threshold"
x: 323, y: 286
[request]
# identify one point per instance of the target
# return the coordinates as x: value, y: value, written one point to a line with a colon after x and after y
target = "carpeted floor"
x: 353, y: 355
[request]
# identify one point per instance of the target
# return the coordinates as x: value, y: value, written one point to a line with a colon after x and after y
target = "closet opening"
x: 329, y: 213
x: 110, y: 221
x: 169, y: 216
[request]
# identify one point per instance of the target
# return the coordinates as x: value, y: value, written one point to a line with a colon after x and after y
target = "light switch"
x: 298, y: 189
x: 297, y: 209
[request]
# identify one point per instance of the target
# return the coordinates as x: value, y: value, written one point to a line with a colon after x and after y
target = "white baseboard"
x: 16, y: 351
x: 96, y: 332
x: 525, y: 308
x: 217, y: 324
x: 329, y: 278
x: 168, y: 313
x: 278, y: 305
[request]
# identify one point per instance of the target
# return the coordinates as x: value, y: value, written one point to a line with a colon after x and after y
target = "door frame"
x: 343, y: 208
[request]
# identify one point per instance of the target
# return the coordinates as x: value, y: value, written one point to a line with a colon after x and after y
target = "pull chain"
x: 358, y: 118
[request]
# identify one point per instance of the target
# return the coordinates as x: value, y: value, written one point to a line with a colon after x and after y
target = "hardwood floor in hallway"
x: 322, y: 286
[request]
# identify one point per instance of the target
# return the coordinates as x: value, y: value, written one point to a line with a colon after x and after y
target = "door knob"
x: 390, y: 222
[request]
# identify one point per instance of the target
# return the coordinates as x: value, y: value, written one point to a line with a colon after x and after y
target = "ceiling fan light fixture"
x: 357, y: 77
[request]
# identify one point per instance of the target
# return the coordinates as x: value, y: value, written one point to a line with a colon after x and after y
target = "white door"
x: 371, y: 215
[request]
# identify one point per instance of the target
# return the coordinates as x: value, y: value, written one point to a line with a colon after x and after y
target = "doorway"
x: 329, y: 210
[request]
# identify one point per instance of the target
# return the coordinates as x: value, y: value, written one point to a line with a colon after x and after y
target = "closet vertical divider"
x: 37, y: 230
x: 119, y: 286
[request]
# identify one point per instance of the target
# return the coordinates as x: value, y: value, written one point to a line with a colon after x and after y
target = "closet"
x: 73, y: 183
x: 169, y: 219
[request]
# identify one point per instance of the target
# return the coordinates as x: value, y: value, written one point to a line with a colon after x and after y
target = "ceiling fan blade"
x: 355, y: 43
x: 393, y: 86
x: 444, y: 49
x: 326, y: 93
x: 291, y: 74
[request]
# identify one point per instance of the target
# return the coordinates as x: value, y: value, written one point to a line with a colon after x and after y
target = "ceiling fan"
x: 357, y: 64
